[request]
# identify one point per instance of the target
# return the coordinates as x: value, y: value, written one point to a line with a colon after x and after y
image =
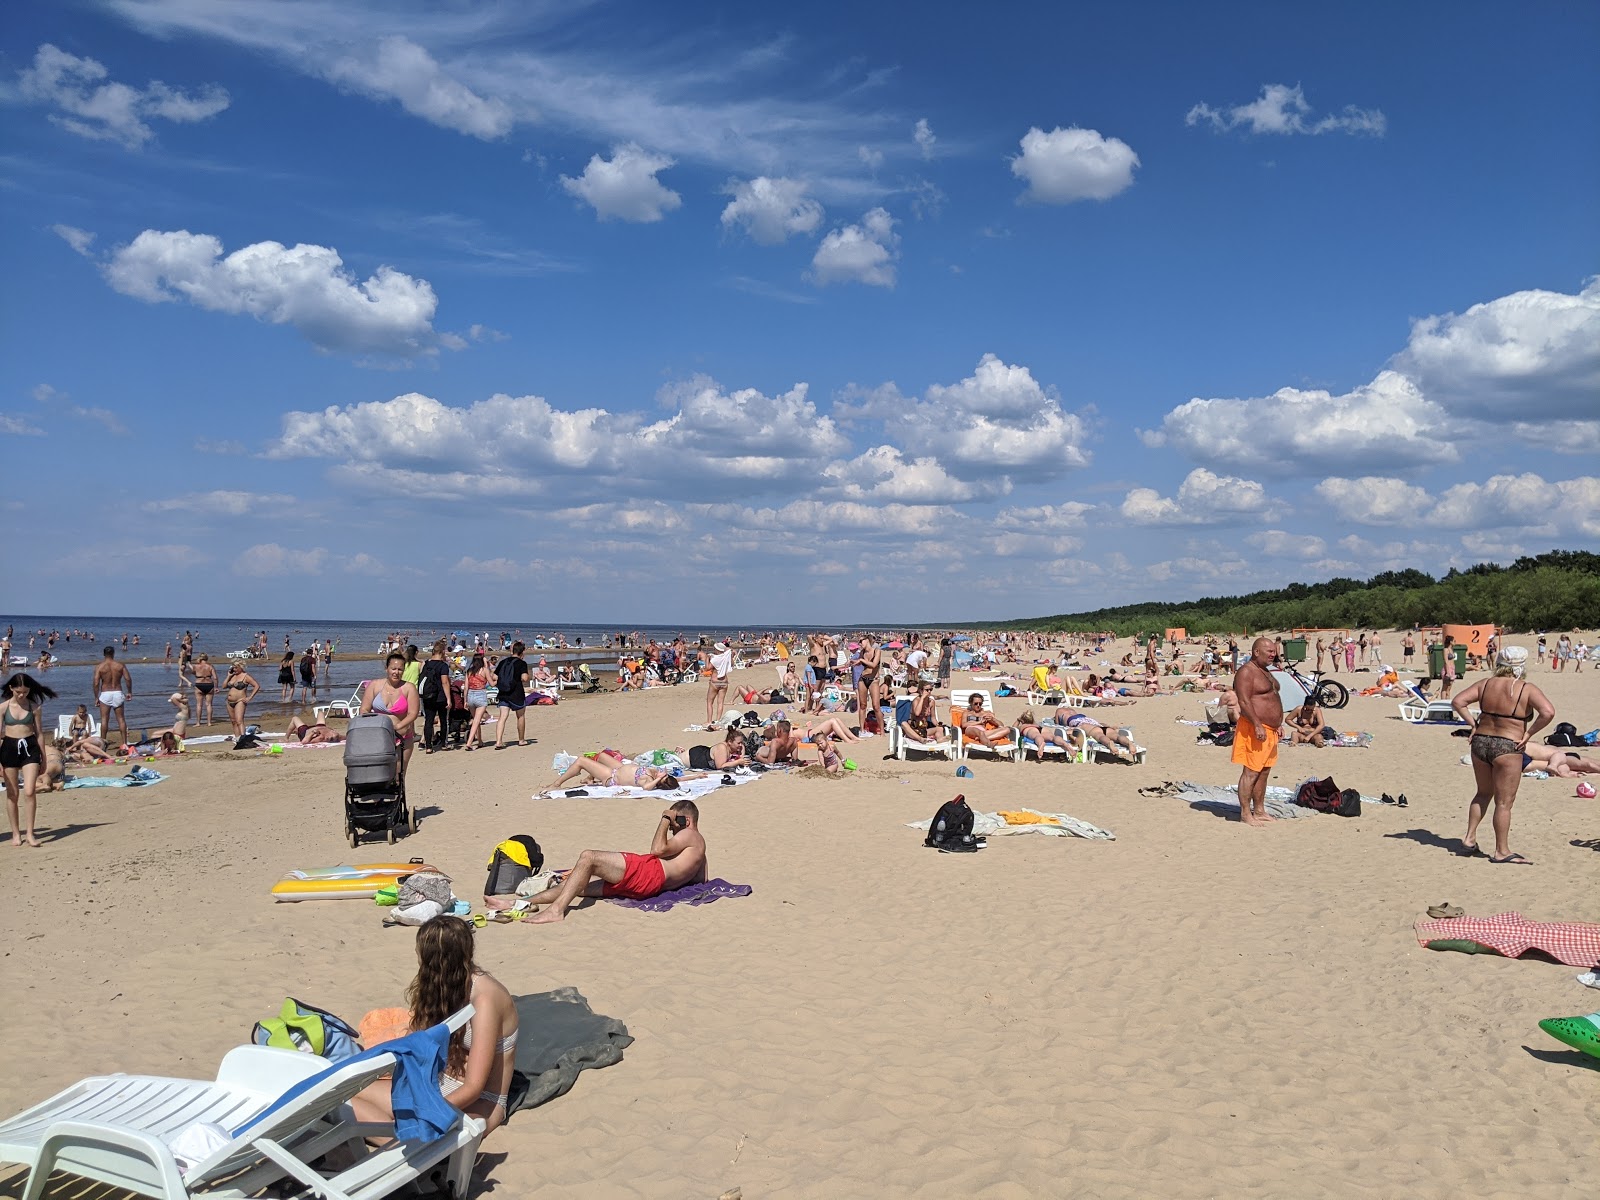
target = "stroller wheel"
x: 355, y: 839
x: 389, y: 835
x: 411, y: 819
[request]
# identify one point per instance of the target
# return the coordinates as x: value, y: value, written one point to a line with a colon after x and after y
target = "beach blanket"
x: 993, y: 824
x: 689, y: 893
x: 1359, y: 741
x: 558, y: 1036
x: 687, y: 789
x: 1575, y: 943
x: 1280, y: 800
x: 138, y: 777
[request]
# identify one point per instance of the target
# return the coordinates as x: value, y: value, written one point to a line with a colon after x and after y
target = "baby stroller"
x: 374, y: 788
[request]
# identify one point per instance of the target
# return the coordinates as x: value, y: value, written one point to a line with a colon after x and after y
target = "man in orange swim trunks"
x: 1255, y: 737
x: 677, y: 856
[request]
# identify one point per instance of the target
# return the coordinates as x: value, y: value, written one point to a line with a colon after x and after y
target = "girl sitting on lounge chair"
x: 477, y: 1073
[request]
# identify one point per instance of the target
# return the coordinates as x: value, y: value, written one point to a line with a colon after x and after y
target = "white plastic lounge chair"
x: 1419, y: 710
x: 64, y: 726
x: 965, y: 746
x: 116, y: 1130
x: 1027, y: 746
x: 341, y: 708
x: 900, y: 744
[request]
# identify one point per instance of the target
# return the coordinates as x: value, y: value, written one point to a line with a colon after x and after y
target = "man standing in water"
x: 112, y: 687
x: 1255, y: 737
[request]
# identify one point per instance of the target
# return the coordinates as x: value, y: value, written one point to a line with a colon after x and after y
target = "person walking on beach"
x: 511, y: 678
x: 286, y: 677
x: 717, y: 685
x: 1255, y: 737
x: 434, y: 688
x: 112, y: 686
x: 22, y: 752
x: 308, y: 676
x: 1510, y: 711
x: 477, y: 697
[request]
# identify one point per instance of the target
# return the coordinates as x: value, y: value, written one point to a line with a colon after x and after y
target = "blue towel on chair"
x: 421, y: 1112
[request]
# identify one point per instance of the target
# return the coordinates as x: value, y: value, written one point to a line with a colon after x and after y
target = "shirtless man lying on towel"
x: 677, y: 856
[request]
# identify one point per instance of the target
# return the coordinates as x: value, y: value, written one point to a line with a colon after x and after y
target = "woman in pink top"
x: 396, y: 699
x: 1349, y: 656
x: 478, y: 677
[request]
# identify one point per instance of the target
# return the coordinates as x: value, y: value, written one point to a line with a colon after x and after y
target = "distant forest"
x: 1558, y: 590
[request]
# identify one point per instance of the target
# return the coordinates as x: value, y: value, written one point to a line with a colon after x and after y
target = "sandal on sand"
x: 1446, y: 911
x: 1513, y: 859
x: 1467, y: 851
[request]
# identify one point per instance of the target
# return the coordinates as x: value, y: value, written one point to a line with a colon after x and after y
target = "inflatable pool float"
x: 360, y: 882
x: 1581, y: 1033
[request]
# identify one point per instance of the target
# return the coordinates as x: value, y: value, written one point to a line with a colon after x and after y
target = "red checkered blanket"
x: 1575, y: 943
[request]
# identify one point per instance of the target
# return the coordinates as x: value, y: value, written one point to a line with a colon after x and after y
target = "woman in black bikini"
x: 286, y: 677
x: 239, y: 688
x: 21, y: 751
x: 205, y: 682
x: 1507, y: 704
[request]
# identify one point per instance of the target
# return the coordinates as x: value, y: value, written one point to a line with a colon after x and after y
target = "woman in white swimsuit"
x: 477, y: 1074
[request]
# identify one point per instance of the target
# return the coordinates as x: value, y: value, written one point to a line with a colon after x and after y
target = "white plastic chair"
x: 342, y: 708
x: 900, y: 745
x: 959, y: 699
x: 116, y: 1130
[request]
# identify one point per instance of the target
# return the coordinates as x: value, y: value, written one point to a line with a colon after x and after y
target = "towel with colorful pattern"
x: 1576, y: 943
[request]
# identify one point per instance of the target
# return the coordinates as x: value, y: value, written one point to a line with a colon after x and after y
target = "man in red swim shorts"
x: 1255, y: 736
x: 677, y: 856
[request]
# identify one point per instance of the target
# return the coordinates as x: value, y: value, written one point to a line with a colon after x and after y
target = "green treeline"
x: 1559, y: 590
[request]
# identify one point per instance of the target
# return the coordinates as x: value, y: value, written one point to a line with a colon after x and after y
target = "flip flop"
x: 1467, y: 851
x: 1512, y: 859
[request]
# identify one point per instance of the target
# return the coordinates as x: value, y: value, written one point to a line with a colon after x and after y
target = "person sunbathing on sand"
x: 1561, y: 761
x: 729, y: 752
x: 312, y: 733
x: 607, y: 770
x: 1305, y: 725
x: 677, y: 856
x: 780, y: 744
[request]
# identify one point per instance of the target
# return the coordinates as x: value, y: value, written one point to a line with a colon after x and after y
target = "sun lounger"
x: 900, y: 744
x: 64, y: 726
x: 1419, y: 710
x: 959, y: 699
x: 342, y: 708
x: 118, y: 1129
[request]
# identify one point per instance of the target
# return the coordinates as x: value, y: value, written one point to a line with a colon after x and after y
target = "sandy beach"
x: 1195, y: 1009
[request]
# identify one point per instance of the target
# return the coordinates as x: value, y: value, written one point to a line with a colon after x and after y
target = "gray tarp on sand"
x: 558, y: 1036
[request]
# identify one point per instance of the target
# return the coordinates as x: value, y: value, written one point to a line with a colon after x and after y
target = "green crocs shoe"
x: 1581, y: 1033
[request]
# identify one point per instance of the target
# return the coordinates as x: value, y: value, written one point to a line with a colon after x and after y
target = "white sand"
x: 1196, y: 1009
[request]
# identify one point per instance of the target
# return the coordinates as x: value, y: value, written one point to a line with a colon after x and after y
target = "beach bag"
x: 1349, y: 803
x: 752, y: 743
x: 1566, y: 734
x: 1320, y: 794
x: 871, y: 722
x: 307, y: 1028
x: 952, y: 828
x: 514, y: 860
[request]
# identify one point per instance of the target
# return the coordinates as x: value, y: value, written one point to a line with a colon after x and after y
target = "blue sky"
x: 546, y: 312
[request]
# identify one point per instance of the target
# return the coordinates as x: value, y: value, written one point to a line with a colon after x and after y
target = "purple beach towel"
x: 692, y: 893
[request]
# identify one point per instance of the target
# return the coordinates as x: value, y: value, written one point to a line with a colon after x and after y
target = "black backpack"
x: 951, y: 830
x: 1566, y: 734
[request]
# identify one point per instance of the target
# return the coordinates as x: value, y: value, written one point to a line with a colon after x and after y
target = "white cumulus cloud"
x: 922, y: 134
x: 1375, y: 499
x: 771, y: 210
x: 1202, y: 499
x: 1530, y: 355
x: 863, y: 253
x: 91, y: 105
x: 625, y: 187
x: 1385, y: 423
x: 304, y: 286
x: 998, y: 422
x: 1073, y: 164
x: 1283, y: 109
